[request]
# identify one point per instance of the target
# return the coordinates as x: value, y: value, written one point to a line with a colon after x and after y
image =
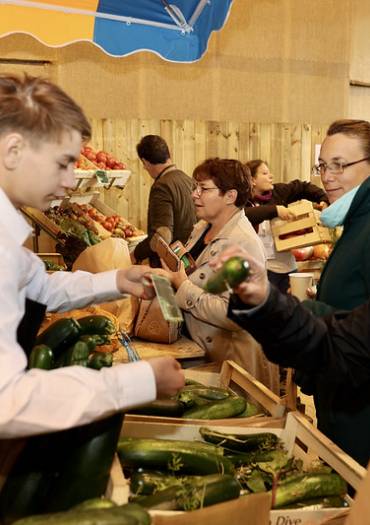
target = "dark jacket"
x: 345, y: 280
x: 170, y: 205
x: 334, y: 351
x: 282, y: 195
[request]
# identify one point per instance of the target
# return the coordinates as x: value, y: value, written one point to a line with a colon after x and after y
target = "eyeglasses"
x: 334, y: 167
x: 199, y: 190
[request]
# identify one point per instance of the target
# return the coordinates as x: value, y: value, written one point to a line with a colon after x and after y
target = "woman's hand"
x: 255, y: 289
x: 176, y: 278
x: 285, y: 214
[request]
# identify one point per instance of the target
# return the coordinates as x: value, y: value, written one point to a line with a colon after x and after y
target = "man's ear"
x: 231, y: 196
x: 12, y: 146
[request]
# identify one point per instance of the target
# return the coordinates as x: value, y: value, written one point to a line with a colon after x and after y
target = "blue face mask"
x: 335, y: 214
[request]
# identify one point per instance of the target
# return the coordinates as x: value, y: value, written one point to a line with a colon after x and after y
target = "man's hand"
x: 255, y: 289
x: 168, y: 375
x: 136, y: 281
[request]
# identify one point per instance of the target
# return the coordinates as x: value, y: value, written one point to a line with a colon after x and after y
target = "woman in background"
x: 269, y: 201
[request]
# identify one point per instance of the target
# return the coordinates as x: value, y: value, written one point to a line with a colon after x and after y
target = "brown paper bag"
x: 253, y: 510
x: 112, y: 253
x: 150, y: 324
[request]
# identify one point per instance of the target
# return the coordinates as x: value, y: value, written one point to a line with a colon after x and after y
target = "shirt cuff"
x: 105, y: 286
x: 135, y: 383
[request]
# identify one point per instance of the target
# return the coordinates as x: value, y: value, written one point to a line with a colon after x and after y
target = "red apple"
x: 321, y: 251
x: 302, y: 254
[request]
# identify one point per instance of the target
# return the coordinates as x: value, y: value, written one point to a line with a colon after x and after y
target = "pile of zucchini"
x: 183, y: 475
x: 68, y: 342
x: 198, y: 401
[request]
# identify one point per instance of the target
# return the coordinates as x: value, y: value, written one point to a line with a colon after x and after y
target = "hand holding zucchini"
x: 234, y: 271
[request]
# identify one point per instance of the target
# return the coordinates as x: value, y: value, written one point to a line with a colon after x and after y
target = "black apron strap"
x: 30, y: 324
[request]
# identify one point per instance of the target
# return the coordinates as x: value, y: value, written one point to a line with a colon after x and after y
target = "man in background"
x: 171, y: 210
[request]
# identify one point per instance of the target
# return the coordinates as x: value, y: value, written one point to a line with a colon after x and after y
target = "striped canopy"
x: 177, y: 30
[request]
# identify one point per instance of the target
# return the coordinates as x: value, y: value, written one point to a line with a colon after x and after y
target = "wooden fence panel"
x: 289, y: 148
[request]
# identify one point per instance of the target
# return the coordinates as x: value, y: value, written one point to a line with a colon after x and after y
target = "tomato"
x: 302, y: 254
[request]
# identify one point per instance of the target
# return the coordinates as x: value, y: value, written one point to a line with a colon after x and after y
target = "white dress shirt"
x: 36, y: 401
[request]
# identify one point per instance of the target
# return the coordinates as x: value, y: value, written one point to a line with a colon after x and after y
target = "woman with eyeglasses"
x: 269, y: 201
x: 221, y: 189
x: 344, y: 167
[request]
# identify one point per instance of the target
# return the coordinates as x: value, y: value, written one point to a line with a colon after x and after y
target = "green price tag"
x: 101, y: 176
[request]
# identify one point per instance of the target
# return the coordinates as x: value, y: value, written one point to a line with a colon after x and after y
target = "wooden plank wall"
x: 289, y: 149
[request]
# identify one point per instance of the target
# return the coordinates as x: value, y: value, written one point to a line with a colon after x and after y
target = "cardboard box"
x: 304, y: 230
x: 301, y: 440
x: 273, y: 407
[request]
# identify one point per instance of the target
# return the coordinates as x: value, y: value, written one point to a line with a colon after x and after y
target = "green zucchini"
x: 174, y: 457
x: 74, y: 355
x: 41, y: 357
x: 98, y: 360
x: 229, y: 407
x: 240, y: 442
x: 327, y: 502
x: 60, y: 335
x: 95, y: 503
x: 250, y: 410
x: 96, y: 325
x: 234, y: 271
x: 171, y: 444
x: 94, y: 340
x: 307, y: 486
x: 113, y: 516
x: 208, y: 490
x: 161, y: 407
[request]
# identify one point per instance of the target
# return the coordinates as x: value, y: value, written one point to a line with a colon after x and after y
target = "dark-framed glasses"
x: 335, y: 167
x: 199, y: 190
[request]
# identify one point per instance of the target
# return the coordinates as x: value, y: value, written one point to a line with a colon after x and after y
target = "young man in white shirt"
x: 41, y: 133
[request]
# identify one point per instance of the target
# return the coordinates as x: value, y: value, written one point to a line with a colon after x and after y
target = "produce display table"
x: 184, y: 348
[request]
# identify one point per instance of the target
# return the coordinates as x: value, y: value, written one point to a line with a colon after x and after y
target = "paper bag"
x: 112, y: 253
x: 150, y: 324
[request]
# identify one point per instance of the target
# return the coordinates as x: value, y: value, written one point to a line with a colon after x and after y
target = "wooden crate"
x: 304, y: 230
x: 273, y: 407
x: 301, y: 440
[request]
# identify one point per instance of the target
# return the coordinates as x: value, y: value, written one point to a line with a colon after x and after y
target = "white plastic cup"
x: 299, y: 282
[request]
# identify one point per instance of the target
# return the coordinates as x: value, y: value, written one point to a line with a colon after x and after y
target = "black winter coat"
x: 335, y: 353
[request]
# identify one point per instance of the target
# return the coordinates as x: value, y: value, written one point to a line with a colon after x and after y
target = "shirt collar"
x: 12, y: 220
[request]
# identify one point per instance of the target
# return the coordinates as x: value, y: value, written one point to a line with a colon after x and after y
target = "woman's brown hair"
x: 254, y: 164
x: 227, y: 174
x: 353, y: 128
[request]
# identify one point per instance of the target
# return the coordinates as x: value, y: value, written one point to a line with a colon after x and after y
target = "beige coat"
x: 206, y: 314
